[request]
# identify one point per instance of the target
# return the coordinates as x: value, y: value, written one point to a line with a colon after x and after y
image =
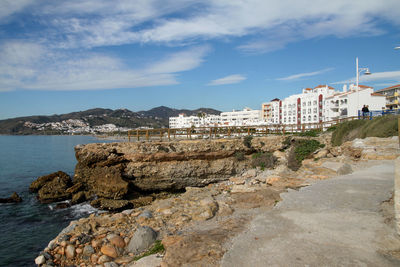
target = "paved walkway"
x: 334, y: 222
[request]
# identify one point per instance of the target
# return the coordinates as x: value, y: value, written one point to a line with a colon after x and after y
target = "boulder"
x: 78, y: 198
x: 142, y: 239
x: 42, y: 180
x: 14, y: 198
x: 111, y: 204
x: 55, y: 190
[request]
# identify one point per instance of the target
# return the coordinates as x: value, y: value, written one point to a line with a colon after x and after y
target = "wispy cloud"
x: 37, y: 67
x: 231, y: 79
x: 387, y: 76
x: 302, y: 75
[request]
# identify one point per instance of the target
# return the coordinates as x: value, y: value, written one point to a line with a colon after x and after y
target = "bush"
x: 263, y: 160
x: 311, y: 133
x: 300, y: 151
x: 247, y: 141
x: 239, y: 156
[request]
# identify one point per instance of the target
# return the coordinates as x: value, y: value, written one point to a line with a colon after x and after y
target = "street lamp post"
x: 358, y: 72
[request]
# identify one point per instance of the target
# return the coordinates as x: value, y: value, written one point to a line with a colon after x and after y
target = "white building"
x: 349, y: 102
x: 183, y: 121
x: 244, y: 117
x: 306, y: 107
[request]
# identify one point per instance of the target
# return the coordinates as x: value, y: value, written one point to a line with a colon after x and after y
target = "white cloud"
x: 231, y: 79
x: 10, y: 7
x: 388, y: 76
x: 37, y: 67
x: 302, y: 75
x: 270, y: 24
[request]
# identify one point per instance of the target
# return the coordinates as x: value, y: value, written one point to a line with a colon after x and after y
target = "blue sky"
x: 63, y: 56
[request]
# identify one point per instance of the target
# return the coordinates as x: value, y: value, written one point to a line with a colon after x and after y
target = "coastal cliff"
x: 116, y: 170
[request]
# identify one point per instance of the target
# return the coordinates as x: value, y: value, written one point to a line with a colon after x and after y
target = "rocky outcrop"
x: 53, y: 187
x: 14, y: 198
x: 114, y: 171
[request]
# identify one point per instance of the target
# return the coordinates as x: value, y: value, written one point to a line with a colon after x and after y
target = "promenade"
x: 335, y: 222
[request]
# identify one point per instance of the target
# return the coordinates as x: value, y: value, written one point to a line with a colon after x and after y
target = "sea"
x: 27, y: 227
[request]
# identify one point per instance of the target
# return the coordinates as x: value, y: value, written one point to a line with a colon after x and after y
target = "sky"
x: 63, y: 56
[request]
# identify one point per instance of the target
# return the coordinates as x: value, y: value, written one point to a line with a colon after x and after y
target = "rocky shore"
x: 214, y: 190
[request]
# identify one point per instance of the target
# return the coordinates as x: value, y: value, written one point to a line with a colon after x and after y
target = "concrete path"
x: 334, y: 222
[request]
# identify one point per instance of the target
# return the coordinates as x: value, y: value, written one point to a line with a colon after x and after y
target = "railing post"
x: 169, y: 134
x: 137, y: 134
x: 229, y: 131
x: 129, y: 136
x: 161, y: 134
x: 147, y: 135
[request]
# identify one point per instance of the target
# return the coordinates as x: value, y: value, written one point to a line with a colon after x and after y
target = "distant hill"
x: 92, y: 120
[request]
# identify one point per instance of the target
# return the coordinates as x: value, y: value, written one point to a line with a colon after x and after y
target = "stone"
x: 55, y: 189
x: 321, y: 154
x: 40, y: 260
x: 75, y: 188
x: 242, y: 189
x: 116, y: 240
x: 70, y: 251
x: 88, y: 250
x: 250, y: 173
x: 149, y: 261
x: 103, y: 259
x: 127, y: 212
x: 124, y: 259
x: 109, y: 250
x: 78, y: 251
x: 94, y: 258
x: 62, y: 205
x: 78, y: 197
x: 345, y: 169
x: 146, y: 214
x: 142, y: 239
x: 237, y: 180
x: 272, y: 180
x: 111, y: 204
x: 42, y: 180
x: 110, y: 264
x: 14, y: 198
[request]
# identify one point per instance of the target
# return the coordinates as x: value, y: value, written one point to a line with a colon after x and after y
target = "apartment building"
x: 349, y: 102
x: 392, y: 96
x: 247, y: 116
x: 183, y: 121
x: 306, y: 107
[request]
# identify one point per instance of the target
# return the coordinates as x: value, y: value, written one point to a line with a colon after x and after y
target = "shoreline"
x: 213, y: 214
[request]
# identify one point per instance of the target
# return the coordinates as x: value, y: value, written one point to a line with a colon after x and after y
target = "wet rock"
x: 70, y: 251
x: 40, y: 260
x: 42, y: 180
x: 55, y: 189
x: 14, y: 198
x: 109, y: 250
x: 77, y: 187
x: 111, y: 204
x: 62, y: 205
x: 142, y: 239
x: 78, y: 198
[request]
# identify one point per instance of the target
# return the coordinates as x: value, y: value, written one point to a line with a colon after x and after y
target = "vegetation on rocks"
x: 384, y: 126
x: 263, y: 160
x: 158, y: 247
x: 301, y: 150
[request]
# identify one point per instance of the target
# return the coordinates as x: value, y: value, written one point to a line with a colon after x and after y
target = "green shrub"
x: 311, y: 133
x: 247, y: 141
x: 263, y: 160
x: 239, y: 156
x: 301, y: 150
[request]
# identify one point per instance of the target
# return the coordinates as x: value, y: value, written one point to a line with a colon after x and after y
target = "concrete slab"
x: 334, y: 222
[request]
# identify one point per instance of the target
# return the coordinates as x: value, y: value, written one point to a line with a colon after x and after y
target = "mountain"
x: 94, y: 121
x: 166, y: 112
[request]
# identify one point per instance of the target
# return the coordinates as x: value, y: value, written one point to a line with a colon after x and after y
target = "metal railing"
x: 228, y: 131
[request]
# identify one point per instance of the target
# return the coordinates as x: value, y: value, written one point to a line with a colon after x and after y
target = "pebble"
x: 146, y: 214
x: 78, y: 251
x: 70, y: 251
x: 117, y: 241
x: 103, y: 259
x: 109, y: 250
x: 94, y: 258
x: 110, y: 264
x: 40, y: 260
x: 88, y: 250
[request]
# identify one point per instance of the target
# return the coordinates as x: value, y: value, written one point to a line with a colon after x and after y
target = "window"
x: 304, y: 104
x: 309, y: 111
x: 315, y: 117
x: 304, y: 118
x: 309, y: 103
x: 309, y: 118
x: 315, y: 102
x: 315, y: 110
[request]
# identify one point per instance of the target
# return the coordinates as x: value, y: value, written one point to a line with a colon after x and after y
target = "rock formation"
x: 15, y: 198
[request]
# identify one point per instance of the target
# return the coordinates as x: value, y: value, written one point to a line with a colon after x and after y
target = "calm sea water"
x: 27, y: 227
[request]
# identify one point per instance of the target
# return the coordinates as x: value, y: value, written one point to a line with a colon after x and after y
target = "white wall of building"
x: 243, y: 117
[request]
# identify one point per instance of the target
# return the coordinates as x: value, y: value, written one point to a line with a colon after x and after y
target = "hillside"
x: 94, y: 121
